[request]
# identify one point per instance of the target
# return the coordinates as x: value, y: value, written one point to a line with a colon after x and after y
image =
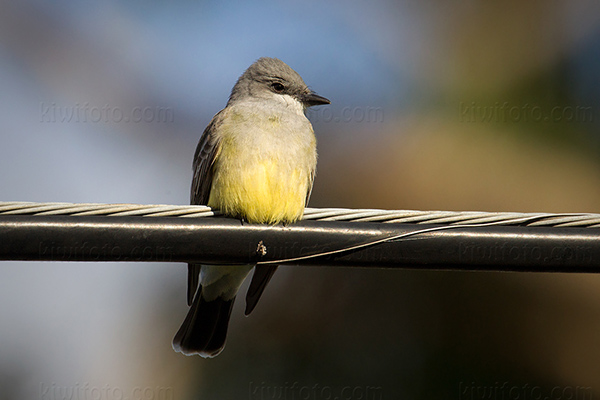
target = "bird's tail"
x: 204, y: 329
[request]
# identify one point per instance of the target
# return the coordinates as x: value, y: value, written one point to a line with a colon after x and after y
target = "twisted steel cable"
x: 327, y: 236
x: 582, y: 220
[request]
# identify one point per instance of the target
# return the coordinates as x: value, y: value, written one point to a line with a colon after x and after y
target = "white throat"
x: 291, y: 103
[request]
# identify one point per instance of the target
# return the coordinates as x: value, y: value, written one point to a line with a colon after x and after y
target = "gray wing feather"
x: 310, y: 186
x: 204, y: 159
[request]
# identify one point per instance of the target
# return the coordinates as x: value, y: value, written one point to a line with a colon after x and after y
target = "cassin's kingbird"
x: 256, y: 161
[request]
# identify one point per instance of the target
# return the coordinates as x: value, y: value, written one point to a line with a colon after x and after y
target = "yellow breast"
x: 263, y: 173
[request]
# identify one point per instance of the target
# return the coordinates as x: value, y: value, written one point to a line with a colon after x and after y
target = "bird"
x: 255, y: 161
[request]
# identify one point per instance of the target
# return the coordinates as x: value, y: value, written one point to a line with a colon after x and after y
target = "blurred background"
x: 449, y: 105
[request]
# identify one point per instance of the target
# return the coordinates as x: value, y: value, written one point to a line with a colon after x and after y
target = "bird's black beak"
x: 312, y: 99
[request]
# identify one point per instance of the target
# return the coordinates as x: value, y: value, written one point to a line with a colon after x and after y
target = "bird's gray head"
x: 271, y: 78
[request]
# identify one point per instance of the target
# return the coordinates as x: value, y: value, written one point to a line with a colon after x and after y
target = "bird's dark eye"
x: 277, y: 87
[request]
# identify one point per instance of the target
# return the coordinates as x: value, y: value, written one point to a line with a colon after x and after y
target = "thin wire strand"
x: 460, y: 218
x: 393, y: 238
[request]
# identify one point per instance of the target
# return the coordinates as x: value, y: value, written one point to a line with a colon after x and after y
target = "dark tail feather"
x: 193, y: 275
x: 204, y: 329
x: 260, y: 279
